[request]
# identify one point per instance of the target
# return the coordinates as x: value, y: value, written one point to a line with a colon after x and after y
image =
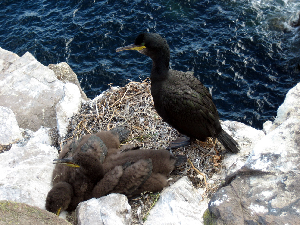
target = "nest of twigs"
x: 132, y: 106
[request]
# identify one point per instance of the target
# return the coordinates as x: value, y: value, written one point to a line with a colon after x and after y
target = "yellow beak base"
x: 67, y: 162
x: 58, y: 211
x: 131, y: 47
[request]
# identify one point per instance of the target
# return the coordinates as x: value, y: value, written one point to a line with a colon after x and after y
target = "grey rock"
x: 9, y: 129
x: 180, y: 203
x: 64, y: 73
x: 265, y: 190
x: 265, y: 199
x: 109, y: 210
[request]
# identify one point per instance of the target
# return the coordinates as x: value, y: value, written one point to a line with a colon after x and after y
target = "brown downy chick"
x: 96, y: 144
x: 86, y: 156
x: 162, y: 160
x: 155, y: 183
x: 82, y: 178
x: 135, y: 171
x: 134, y: 175
x: 114, y: 137
x: 108, y: 183
x: 111, y: 139
x: 124, y: 179
x: 85, y: 163
x: 59, y: 197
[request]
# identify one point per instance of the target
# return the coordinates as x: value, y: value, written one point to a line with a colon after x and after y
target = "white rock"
x: 266, y: 189
x: 246, y: 136
x: 279, y: 150
x: 6, y: 59
x: 109, y: 210
x: 290, y: 107
x: 64, y: 73
x: 28, y: 65
x: 67, y: 107
x: 30, y: 90
x: 180, y: 203
x: 26, y: 170
x: 267, y: 126
x: 9, y: 129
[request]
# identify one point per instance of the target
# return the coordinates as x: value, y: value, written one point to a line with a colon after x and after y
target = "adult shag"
x: 180, y: 98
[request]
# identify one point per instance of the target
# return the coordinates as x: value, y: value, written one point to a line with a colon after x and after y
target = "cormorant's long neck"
x: 160, y: 66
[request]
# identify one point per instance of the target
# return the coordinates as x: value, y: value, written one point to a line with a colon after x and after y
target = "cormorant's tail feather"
x: 228, y: 142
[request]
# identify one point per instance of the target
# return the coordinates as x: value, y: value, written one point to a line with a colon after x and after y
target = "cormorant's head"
x: 150, y: 44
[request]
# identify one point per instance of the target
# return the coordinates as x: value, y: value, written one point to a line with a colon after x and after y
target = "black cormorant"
x: 180, y: 98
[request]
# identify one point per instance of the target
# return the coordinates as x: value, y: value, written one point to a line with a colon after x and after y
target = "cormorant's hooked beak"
x: 67, y: 161
x: 131, y: 47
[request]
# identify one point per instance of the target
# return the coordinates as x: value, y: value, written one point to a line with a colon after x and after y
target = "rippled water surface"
x: 245, y: 51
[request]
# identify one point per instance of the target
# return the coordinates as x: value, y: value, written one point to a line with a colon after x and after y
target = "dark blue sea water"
x: 245, y: 51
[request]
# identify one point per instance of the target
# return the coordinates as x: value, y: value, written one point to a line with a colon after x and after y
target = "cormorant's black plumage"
x: 180, y: 98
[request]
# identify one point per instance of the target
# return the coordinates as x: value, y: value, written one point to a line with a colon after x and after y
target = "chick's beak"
x: 58, y: 211
x: 67, y: 161
x: 131, y: 47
